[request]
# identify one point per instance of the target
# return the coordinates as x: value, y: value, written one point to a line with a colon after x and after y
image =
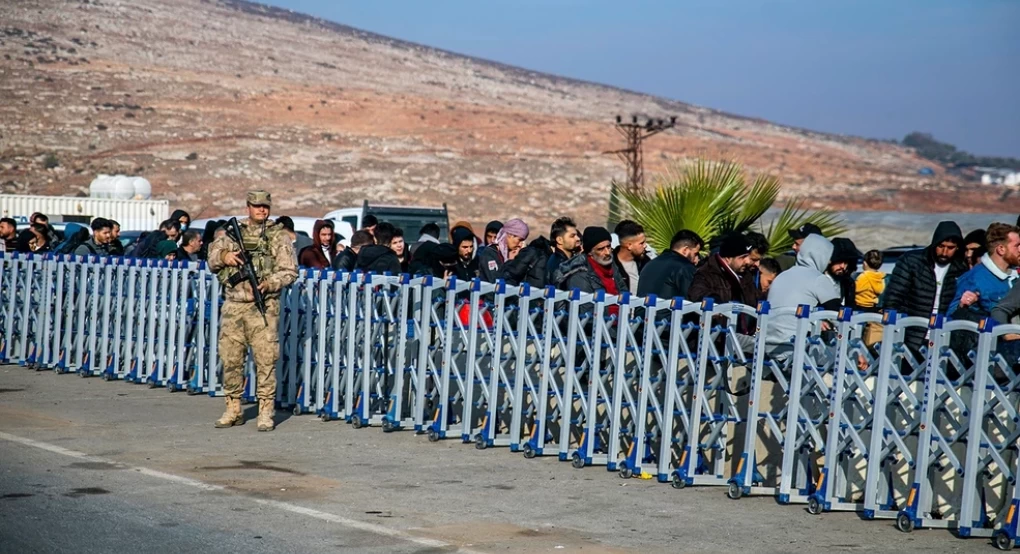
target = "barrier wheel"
x: 577, y: 461
x: 1003, y: 541
x: 905, y: 523
x: 529, y: 451
x: 734, y: 492
x: 83, y: 374
x: 297, y: 409
x: 480, y: 443
x: 814, y: 507
x: 106, y: 376
x: 356, y: 422
x: 326, y: 416
x: 193, y: 391
x: 387, y: 426
x: 677, y: 482
x: 626, y: 472
x: 433, y: 435
x: 152, y: 384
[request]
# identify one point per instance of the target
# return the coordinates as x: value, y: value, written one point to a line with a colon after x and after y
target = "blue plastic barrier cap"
x: 889, y: 317
x: 707, y: 304
x: 803, y: 311
x: 500, y: 286
x: 650, y: 300
x: 526, y: 289
x: 845, y: 314
x: 451, y: 282
x: 405, y: 278
x: 600, y: 296
x: 625, y: 299
x: 935, y: 322
x: 575, y: 294
x: 986, y: 325
x: 427, y: 281
x: 550, y: 291
x: 763, y: 307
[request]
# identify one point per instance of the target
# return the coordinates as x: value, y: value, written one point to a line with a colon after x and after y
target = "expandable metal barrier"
x: 647, y: 387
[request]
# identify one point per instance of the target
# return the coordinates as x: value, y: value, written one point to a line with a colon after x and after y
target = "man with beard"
x: 720, y: 277
x: 988, y: 282
x: 924, y: 282
x: 670, y: 275
x: 842, y: 265
x: 8, y: 235
x: 594, y: 271
x: 566, y: 243
x: 630, y: 256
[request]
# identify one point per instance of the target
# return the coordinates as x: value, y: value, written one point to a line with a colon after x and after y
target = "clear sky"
x: 873, y: 68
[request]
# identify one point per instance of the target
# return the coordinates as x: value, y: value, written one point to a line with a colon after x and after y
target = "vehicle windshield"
x: 411, y: 221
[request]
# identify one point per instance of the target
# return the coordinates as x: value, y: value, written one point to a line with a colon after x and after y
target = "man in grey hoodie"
x: 804, y: 283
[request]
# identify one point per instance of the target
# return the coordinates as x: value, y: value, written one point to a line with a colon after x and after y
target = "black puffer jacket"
x: 912, y: 286
x: 378, y: 259
x: 490, y: 264
x: 529, y: 265
x: 714, y: 280
x: 667, y: 276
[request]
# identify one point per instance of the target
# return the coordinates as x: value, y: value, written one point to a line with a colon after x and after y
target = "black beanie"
x: 735, y: 245
x: 592, y: 236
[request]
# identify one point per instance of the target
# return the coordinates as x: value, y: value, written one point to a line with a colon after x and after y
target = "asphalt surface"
x: 90, y: 466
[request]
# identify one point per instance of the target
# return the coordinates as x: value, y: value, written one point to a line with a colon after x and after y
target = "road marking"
x: 280, y: 505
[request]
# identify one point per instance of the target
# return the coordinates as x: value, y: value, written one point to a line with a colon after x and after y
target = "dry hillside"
x: 208, y: 98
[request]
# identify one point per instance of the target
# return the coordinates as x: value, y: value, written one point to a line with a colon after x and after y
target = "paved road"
x: 91, y: 466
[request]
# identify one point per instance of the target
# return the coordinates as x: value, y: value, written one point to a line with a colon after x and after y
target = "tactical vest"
x: 256, y: 244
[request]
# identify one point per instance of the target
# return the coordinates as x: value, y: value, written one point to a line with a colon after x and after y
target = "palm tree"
x: 713, y: 199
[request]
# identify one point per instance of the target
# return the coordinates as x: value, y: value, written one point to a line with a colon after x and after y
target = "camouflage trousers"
x: 241, y: 326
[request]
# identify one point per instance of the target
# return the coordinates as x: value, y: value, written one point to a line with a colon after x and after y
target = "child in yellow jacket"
x: 870, y: 284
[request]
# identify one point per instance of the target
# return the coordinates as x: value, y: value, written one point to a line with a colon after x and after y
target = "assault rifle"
x: 246, y: 273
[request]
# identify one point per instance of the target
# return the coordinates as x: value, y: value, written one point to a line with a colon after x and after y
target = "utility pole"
x: 634, y: 133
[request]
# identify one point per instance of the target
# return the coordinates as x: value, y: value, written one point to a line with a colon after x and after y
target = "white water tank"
x: 100, y: 187
x: 122, y: 188
x: 143, y: 188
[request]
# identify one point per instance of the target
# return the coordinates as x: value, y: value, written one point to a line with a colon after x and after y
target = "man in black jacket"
x: 529, y: 266
x: 670, y: 275
x: 923, y: 282
x: 594, y: 270
x: 720, y: 277
x: 630, y: 255
x: 379, y: 258
x: 348, y: 259
x: 566, y: 242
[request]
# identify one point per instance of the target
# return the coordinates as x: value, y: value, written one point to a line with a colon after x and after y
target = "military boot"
x: 232, y: 416
x: 266, y: 413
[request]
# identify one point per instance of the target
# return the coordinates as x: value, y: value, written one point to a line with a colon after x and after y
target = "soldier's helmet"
x: 259, y: 198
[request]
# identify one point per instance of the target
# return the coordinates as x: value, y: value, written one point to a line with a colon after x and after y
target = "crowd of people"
x: 961, y: 276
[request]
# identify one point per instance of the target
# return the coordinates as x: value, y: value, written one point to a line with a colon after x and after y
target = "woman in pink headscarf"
x: 508, y: 243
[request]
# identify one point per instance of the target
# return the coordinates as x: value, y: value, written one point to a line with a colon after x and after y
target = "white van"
x: 302, y: 225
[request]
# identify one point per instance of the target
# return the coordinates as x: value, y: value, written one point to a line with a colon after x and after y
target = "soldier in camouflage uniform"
x: 241, y: 324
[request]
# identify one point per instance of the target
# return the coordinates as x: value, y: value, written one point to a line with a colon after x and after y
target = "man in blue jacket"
x: 988, y: 282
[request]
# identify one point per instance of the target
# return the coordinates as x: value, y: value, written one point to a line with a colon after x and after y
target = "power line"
x: 635, y: 133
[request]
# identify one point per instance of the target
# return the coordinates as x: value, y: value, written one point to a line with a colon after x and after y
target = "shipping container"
x: 133, y: 215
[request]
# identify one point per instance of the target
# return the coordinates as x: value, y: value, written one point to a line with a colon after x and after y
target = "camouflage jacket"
x: 272, y: 255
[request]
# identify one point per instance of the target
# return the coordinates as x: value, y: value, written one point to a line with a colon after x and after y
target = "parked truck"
x: 409, y: 218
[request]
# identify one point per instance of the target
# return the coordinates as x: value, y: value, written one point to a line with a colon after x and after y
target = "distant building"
x: 999, y: 176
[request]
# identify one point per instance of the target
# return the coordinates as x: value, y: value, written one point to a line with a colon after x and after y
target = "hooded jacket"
x: 804, y: 283
x: 529, y: 265
x: 490, y: 264
x: 177, y: 215
x: 912, y: 286
x: 667, y: 276
x: 378, y: 259
x: 313, y: 256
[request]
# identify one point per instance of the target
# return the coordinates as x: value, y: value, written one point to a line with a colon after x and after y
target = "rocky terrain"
x: 208, y: 98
